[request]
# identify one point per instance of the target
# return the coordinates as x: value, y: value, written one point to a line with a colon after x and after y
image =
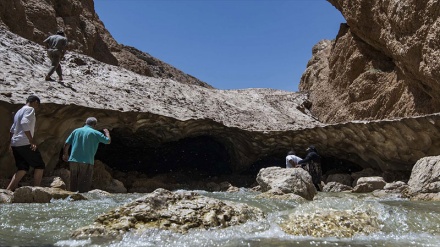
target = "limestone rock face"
x: 291, y: 180
x: 37, y: 19
x: 425, y: 176
x: 153, y: 110
x: 383, y: 64
x: 166, y: 210
x: 29, y: 194
x: 144, y: 113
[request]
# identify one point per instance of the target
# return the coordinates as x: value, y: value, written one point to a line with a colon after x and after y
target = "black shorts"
x: 25, y: 157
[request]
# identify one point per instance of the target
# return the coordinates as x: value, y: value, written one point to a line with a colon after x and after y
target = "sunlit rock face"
x: 35, y: 20
x: 157, y: 125
x: 384, y: 63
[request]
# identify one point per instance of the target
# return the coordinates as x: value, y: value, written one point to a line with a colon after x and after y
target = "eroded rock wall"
x: 384, y: 63
x: 36, y: 19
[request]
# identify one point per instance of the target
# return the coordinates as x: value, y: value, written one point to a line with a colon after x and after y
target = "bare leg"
x: 38, y: 175
x: 16, y: 179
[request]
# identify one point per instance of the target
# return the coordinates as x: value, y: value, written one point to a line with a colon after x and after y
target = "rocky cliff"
x: 35, y: 20
x: 384, y: 62
x: 160, y: 125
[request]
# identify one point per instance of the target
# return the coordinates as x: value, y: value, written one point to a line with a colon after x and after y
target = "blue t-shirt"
x: 85, y: 143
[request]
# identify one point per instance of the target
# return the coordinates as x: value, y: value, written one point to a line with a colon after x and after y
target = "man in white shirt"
x: 23, y: 145
x: 292, y: 160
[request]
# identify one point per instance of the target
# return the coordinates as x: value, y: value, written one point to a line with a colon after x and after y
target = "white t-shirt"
x: 24, y: 120
x: 295, y: 159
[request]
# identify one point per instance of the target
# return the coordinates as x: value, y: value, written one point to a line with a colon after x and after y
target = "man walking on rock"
x: 84, y: 142
x: 23, y: 145
x: 56, y: 47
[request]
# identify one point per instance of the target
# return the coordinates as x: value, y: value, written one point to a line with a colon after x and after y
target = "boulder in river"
x: 175, y: 211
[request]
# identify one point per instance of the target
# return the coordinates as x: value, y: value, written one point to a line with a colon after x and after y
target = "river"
x: 403, y: 223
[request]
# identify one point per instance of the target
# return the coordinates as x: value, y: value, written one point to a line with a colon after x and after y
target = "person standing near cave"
x: 292, y: 160
x: 56, y: 47
x: 312, y: 164
x: 84, y: 142
x: 23, y: 145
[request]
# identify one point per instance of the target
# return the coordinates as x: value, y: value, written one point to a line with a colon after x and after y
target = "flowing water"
x: 403, y: 223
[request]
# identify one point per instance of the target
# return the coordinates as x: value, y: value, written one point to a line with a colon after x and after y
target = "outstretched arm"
x: 107, y: 134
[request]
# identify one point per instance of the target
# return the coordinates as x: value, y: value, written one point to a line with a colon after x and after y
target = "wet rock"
x: 6, y: 196
x: 292, y: 180
x: 279, y: 195
x: 29, y: 194
x: 166, y: 210
x: 369, y: 184
x: 397, y: 186
x: 426, y: 197
x: 53, y: 182
x: 336, y: 187
x: 367, y: 172
x: 340, y: 224
x: 64, y: 174
x: 363, y: 188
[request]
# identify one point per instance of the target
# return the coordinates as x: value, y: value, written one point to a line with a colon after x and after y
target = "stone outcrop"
x: 29, y: 194
x: 383, y: 64
x: 173, y: 211
x: 291, y: 180
x: 336, y: 187
x: 340, y: 224
x: 6, y: 196
x: 369, y: 184
x: 35, y: 20
x: 424, y: 183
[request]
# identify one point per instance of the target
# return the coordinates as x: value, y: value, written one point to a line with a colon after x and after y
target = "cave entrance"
x: 199, y: 156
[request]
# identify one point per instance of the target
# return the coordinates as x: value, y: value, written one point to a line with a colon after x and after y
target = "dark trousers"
x: 81, y: 176
x: 314, y: 169
x: 55, y: 58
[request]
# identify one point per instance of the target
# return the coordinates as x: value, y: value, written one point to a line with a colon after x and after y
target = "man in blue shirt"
x: 84, y: 142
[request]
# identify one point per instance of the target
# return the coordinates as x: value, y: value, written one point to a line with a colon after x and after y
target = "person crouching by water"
x: 312, y: 164
x: 84, y: 142
x: 23, y: 145
x: 292, y: 160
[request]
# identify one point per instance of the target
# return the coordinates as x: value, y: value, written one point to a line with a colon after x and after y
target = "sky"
x: 229, y: 44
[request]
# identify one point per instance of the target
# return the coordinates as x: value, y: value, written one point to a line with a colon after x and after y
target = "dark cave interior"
x: 201, y: 157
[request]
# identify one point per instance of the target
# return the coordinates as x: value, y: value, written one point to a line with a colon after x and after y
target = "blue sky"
x: 229, y: 44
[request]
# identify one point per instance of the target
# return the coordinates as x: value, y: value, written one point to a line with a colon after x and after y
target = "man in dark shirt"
x: 56, y: 47
x: 312, y: 164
